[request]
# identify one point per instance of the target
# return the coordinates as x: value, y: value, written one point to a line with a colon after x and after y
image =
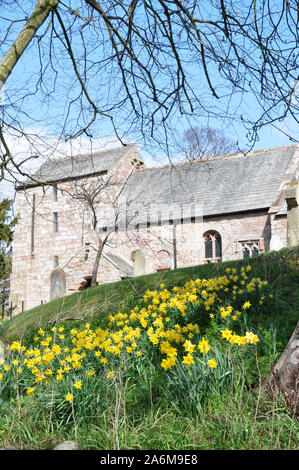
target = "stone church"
x: 147, y: 219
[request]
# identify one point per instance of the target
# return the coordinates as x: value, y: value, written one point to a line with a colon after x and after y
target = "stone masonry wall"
x: 33, y: 263
x: 30, y: 279
x: 190, y: 242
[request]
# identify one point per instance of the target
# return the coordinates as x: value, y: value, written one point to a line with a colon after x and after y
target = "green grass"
x: 94, y: 304
x: 144, y: 407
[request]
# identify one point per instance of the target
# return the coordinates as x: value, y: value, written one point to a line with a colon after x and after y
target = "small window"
x: 55, y: 221
x: 55, y: 193
x: 56, y: 262
x: 250, y: 248
x: 87, y: 251
x: 212, y: 247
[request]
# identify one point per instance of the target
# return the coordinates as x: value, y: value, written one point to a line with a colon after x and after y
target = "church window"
x: 56, y: 262
x: 212, y: 247
x: 87, y: 250
x: 55, y: 193
x: 55, y: 221
x: 250, y: 248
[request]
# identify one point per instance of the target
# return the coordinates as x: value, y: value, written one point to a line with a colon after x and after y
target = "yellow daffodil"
x: 69, y: 397
x: 188, y: 359
x: 212, y: 363
x: 204, y: 346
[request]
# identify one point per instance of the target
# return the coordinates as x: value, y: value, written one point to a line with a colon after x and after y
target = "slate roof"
x: 222, y: 185
x: 59, y: 169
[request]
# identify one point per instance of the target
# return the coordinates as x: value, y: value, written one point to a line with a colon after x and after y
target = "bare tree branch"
x: 40, y: 14
x: 136, y: 68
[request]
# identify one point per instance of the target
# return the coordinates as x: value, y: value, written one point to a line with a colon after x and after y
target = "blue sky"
x: 42, y: 114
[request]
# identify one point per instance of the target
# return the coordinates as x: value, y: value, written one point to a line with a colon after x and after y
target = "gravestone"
x: 138, y: 263
x: 57, y: 284
x: 2, y: 350
x: 68, y: 445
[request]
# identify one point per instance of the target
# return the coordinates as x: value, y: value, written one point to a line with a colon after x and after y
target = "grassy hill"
x: 281, y: 269
x: 172, y: 360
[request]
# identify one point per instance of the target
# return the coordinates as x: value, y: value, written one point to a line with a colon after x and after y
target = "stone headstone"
x: 8, y: 448
x: 2, y: 350
x: 57, y: 284
x: 139, y: 263
x: 67, y: 445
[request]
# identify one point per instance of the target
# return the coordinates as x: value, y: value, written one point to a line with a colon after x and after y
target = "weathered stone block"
x: 291, y: 194
x: 57, y: 284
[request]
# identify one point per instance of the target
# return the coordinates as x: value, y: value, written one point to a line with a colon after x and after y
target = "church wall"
x: 34, y: 259
x: 278, y: 232
x: 37, y: 247
x: 190, y: 242
x: 32, y: 265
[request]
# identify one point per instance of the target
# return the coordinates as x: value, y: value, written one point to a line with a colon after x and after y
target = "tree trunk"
x: 96, y: 263
x: 284, y: 377
x: 38, y: 17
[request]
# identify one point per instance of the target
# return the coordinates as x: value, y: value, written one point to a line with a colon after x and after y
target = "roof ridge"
x: 89, y: 153
x: 219, y: 157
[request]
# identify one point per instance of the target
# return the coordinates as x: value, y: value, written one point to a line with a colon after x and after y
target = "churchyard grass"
x: 174, y: 360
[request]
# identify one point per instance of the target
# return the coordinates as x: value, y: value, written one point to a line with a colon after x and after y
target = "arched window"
x: 212, y: 247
